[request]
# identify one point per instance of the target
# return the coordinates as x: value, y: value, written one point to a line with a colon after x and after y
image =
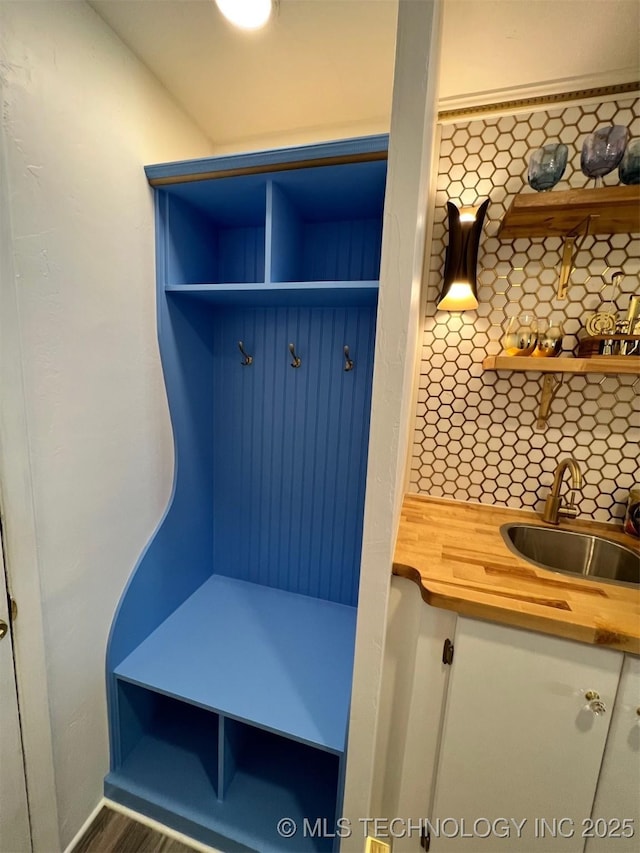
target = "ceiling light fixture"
x: 246, y: 14
x: 459, y: 290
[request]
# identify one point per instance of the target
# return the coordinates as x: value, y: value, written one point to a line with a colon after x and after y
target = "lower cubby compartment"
x: 166, y: 744
x: 269, y: 778
x: 221, y: 781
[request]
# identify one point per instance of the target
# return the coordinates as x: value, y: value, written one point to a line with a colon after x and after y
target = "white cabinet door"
x: 618, y: 795
x: 519, y: 743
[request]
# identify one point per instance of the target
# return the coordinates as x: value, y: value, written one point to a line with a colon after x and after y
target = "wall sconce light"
x: 459, y: 290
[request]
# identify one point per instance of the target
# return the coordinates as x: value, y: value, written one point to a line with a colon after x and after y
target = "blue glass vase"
x: 602, y: 151
x: 547, y: 165
x: 629, y: 169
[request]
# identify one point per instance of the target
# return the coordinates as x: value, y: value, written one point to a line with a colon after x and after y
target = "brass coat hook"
x: 348, y: 361
x: 296, y: 361
x: 248, y: 359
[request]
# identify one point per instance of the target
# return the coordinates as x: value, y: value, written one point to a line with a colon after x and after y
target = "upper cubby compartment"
x: 294, y: 226
x: 213, y: 232
x: 324, y: 224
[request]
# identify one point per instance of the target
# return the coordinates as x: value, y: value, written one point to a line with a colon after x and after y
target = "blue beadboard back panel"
x: 290, y: 447
x: 348, y: 250
x: 240, y: 254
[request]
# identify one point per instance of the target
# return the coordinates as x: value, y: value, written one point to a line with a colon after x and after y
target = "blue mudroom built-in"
x: 230, y: 658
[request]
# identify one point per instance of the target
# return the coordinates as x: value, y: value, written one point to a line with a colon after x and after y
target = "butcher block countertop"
x: 455, y: 552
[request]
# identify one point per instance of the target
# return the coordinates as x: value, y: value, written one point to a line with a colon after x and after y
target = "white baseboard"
x: 85, y: 826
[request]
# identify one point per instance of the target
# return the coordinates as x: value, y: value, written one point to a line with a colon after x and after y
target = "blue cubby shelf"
x: 293, y: 293
x: 230, y: 658
x: 279, y: 660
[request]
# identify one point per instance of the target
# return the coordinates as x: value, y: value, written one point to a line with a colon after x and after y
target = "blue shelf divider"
x: 229, y: 662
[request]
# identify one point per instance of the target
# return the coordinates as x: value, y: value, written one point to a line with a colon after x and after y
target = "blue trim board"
x: 265, y: 656
x: 269, y: 158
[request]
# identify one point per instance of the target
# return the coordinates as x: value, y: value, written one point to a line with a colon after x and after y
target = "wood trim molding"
x: 518, y: 104
x: 271, y: 167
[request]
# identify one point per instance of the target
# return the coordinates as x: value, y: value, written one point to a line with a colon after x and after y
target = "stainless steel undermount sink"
x: 574, y: 553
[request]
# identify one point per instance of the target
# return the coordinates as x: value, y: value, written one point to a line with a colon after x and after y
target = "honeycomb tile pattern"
x: 474, y: 433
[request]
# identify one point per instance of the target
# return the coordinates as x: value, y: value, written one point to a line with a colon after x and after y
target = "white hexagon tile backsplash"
x: 474, y: 433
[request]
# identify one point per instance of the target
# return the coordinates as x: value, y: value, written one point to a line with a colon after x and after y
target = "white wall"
x: 413, y: 122
x: 86, y: 458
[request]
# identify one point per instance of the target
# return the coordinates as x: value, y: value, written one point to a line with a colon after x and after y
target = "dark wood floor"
x: 112, y: 832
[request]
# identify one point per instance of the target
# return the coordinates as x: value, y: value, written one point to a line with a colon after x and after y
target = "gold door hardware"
x: 374, y: 845
x: 4, y: 629
x: 595, y: 703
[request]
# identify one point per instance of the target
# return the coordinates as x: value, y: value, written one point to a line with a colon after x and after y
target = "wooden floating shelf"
x: 613, y: 210
x: 628, y: 364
